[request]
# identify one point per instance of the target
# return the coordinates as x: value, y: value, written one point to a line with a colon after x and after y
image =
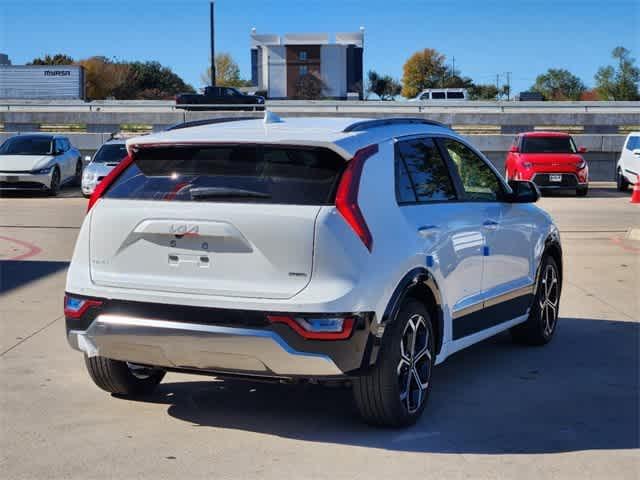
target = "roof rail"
x: 383, y: 122
x: 206, y: 121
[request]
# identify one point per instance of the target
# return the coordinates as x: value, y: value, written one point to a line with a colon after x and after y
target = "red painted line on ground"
x: 33, y: 249
x: 617, y: 241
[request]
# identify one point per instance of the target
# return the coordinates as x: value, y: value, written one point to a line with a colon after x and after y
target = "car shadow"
x: 594, y: 192
x: 17, y: 273
x: 66, y: 191
x: 580, y: 392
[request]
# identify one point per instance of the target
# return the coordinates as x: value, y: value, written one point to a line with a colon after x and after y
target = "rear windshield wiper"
x: 212, y: 192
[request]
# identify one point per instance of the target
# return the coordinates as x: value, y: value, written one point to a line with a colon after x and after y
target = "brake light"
x: 581, y: 164
x: 108, y: 180
x: 76, y: 307
x: 347, y: 195
x: 317, y: 328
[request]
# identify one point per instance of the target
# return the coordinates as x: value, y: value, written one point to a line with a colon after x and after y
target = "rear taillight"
x: 75, y: 307
x: 108, y: 180
x: 581, y: 164
x: 347, y: 195
x: 317, y: 328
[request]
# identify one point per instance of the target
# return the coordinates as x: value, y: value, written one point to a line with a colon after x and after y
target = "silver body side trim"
x: 190, y: 345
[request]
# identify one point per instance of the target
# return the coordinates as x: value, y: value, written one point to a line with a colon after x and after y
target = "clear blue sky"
x: 485, y: 37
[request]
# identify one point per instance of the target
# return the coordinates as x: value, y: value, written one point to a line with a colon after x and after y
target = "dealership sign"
x: 57, y: 73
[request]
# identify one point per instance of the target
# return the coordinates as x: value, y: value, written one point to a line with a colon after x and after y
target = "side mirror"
x: 524, y: 191
x: 514, y: 149
x: 582, y: 149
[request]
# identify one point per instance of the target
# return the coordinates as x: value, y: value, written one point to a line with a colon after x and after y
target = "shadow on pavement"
x: 594, y: 192
x: 66, y: 191
x: 16, y: 273
x: 580, y: 392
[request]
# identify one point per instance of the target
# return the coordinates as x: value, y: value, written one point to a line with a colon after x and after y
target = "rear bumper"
x: 569, y: 181
x: 216, y: 341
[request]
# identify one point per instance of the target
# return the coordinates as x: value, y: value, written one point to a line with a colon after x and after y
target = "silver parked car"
x: 105, y: 159
x: 39, y: 162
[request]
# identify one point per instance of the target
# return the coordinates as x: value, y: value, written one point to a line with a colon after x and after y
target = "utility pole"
x: 498, y: 85
x: 508, y: 86
x: 453, y: 66
x: 213, y: 42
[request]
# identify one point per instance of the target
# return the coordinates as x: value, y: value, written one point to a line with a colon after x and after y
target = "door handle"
x: 428, y: 230
x: 490, y: 224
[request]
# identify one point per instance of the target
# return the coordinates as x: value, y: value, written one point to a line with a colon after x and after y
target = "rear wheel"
x: 123, y: 378
x: 543, y: 316
x: 621, y: 182
x: 394, y: 393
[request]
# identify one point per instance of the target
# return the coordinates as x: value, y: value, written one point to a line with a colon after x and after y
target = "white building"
x: 277, y: 63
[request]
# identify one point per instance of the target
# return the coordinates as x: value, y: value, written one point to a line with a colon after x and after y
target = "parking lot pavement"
x: 567, y: 410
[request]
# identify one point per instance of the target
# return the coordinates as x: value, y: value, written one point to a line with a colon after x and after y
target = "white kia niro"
x: 308, y: 249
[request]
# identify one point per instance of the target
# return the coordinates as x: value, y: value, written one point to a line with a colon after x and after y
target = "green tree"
x: 57, y: 59
x: 384, y: 87
x: 424, y: 69
x: 227, y: 73
x: 309, y: 87
x: 619, y: 82
x: 153, y: 81
x: 483, y: 92
x: 559, y: 84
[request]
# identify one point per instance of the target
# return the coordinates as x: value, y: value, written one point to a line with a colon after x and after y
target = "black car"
x: 226, y: 97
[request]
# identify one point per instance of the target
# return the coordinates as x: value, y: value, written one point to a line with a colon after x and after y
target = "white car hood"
x: 23, y: 163
x: 100, y: 169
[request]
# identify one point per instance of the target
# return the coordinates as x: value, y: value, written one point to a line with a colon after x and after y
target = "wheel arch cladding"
x: 552, y: 248
x: 420, y: 285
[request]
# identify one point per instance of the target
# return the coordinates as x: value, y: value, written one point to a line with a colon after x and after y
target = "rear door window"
x: 256, y: 174
x: 421, y: 173
x: 633, y: 143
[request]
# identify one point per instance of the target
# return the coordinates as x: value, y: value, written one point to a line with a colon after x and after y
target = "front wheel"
x: 582, y: 192
x: 394, y: 392
x: 54, y: 186
x: 77, y: 176
x: 123, y: 378
x: 621, y: 182
x: 543, y: 315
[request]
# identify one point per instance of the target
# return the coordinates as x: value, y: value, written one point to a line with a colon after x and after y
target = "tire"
x: 621, y: 182
x: 77, y: 177
x: 122, y: 378
x: 54, y: 186
x: 582, y: 192
x: 394, y: 392
x: 543, y: 316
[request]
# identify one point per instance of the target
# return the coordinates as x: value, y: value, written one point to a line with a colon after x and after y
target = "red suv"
x: 550, y: 160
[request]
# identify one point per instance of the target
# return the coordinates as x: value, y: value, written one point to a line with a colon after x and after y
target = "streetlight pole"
x: 213, y: 42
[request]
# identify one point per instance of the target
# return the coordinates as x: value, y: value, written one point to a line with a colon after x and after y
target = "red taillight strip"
x: 108, y: 180
x: 347, y: 195
x: 82, y: 310
x: 347, y: 328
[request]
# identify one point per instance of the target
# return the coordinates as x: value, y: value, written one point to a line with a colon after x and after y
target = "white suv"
x: 628, y: 168
x: 311, y: 249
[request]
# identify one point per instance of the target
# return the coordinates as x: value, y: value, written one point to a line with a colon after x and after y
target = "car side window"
x: 633, y: 143
x: 479, y: 182
x: 421, y: 173
x: 57, y: 146
x: 66, y: 146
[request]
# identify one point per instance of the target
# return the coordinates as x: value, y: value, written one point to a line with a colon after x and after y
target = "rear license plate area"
x: 555, y: 178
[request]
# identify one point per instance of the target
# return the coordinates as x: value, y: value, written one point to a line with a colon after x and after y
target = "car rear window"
x: 548, y: 145
x: 234, y: 173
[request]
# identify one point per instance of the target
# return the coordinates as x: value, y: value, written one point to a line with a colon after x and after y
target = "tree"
x: 103, y: 77
x: 620, y: 82
x: 384, y: 87
x: 559, y: 84
x: 227, y: 73
x: 309, y: 87
x: 152, y: 81
x: 424, y: 69
x: 483, y: 92
x: 57, y: 59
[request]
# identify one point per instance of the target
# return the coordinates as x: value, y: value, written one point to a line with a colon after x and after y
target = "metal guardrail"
x: 331, y: 106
